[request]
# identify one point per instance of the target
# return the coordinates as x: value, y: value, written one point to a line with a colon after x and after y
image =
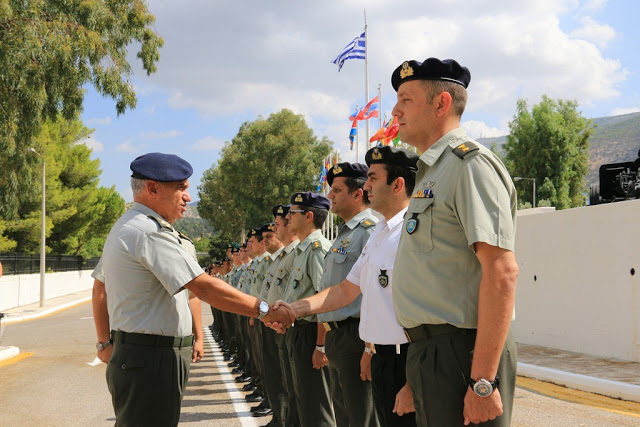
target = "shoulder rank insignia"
x: 161, y: 222
x: 367, y: 223
x: 184, y: 236
x: 465, y: 148
x: 316, y: 245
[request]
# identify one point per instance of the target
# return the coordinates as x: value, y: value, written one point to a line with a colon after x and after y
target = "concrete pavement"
x: 609, y: 377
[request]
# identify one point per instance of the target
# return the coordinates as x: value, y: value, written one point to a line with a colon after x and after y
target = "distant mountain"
x: 615, y: 139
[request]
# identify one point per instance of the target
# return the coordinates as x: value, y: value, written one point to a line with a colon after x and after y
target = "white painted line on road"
x: 95, y: 362
x: 616, y: 389
x: 85, y: 318
x: 241, y: 408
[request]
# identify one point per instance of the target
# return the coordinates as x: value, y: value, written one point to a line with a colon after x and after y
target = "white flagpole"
x: 380, y: 102
x: 357, y: 137
x: 366, y: 69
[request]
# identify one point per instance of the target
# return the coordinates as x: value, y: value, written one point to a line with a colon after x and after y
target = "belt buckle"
x: 406, y: 334
x: 326, y: 325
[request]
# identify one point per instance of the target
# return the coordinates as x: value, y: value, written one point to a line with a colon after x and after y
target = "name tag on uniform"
x: 383, y: 279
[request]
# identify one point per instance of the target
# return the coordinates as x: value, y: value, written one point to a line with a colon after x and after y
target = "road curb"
x: 615, y: 389
x: 8, y: 353
x: 16, y: 319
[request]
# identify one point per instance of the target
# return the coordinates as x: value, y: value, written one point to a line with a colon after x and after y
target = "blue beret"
x: 431, y: 69
x: 392, y: 156
x: 346, y: 169
x: 281, y: 210
x: 311, y: 200
x: 161, y: 167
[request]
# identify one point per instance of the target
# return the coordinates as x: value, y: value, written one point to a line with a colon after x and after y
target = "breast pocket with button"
x: 418, y: 225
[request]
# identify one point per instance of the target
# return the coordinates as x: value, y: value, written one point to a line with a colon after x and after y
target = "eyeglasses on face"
x: 297, y: 210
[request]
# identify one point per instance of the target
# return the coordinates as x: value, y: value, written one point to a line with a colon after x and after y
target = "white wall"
x: 575, y: 290
x: 23, y: 289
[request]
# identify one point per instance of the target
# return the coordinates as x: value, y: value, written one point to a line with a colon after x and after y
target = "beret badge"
x: 337, y: 169
x: 406, y: 71
x: 280, y: 210
x: 298, y: 198
x: 377, y: 155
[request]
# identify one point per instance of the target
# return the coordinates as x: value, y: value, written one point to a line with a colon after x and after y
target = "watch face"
x: 264, y: 308
x: 483, y: 388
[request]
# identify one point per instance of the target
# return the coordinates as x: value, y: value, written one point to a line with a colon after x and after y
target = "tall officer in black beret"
x: 349, y: 365
x: 455, y: 270
x: 140, y: 306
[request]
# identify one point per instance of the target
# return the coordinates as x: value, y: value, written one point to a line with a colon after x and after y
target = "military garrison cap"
x: 311, y: 200
x: 346, y: 170
x: 431, y: 69
x: 267, y: 228
x: 392, y: 156
x: 161, y: 167
x: 281, y: 210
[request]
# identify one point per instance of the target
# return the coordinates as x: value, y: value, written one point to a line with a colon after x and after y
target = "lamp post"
x: 42, y: 228
x: 521, y: 178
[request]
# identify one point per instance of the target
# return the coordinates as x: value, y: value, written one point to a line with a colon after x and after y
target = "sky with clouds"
x: 224, y: 63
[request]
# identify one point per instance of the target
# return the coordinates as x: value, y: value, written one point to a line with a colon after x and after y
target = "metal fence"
x: 16, y: 263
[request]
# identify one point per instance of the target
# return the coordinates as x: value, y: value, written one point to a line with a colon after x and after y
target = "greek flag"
x: 354, y: 50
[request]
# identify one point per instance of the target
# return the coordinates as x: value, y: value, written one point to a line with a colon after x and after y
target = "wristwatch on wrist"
x: 368, y: 350
x: 263, y: 309
x: 102, y: 345
x: 482, y: 387
x: 320, y: 348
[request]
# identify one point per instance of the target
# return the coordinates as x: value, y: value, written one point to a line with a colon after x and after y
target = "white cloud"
x: 594, y: 4
x: 593, y: 32
x: 126, y: 147
x: 92, y: 143
x: 477, y: 129
x: 104, y: 121
x: 621, y: 111
x: 208, y: 143
x: 154, y: 135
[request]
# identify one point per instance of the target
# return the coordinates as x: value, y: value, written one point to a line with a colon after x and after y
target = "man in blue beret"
x: 308, y: 364
x: 141, y: 309
x: 455, y: 270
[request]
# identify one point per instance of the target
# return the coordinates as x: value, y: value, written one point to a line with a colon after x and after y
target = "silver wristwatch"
x: 484, y: 388
x: 263, y: 309
x: 102, y: 345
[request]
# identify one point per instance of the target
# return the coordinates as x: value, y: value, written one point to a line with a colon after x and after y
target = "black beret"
x: 431, y: 69
x: 346, y: 169
x: 243, y: 246
x: 161, y: 167
x: 267, y: 228
x: 311, y: 200
x: 281, y: 210
x: 253, y: 232
x: 389, y: 155
x: 226, y: 260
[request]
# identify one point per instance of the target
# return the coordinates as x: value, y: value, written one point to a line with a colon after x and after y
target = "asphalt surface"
x: 57, y: 386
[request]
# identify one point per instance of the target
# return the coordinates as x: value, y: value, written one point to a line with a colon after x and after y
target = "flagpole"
x: 366, y: 68
x: 380, y: 102
x: 358, y: 141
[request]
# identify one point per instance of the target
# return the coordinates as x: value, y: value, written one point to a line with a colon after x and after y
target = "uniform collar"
x: 291, y: 246
x: 397, y: 219
x: 315, y: 235
x: 146, y: 210
x: 259, y: 258
x: 434, y: 152
x: 274, y: 255
x: 357, y: 218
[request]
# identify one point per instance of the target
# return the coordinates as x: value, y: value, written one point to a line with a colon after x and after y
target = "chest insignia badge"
x: 412, y: 224
x: 383, y: 279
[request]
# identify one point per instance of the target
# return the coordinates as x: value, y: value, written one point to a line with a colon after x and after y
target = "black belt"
x: 150, y: 340
x: 300, y: 322
x: 332, y: 326
x: 389, y: 348
x: 427, y: 331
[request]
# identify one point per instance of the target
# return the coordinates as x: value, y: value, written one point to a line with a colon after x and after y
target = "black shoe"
x: 243, y: 379
x: 237, y: 371
x: 254, y: 397
x: 226, y: 358
x: 249, y: 387
x: 263, y: 412
x: 234, y: 364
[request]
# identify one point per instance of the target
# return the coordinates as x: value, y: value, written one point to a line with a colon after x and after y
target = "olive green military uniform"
x: 352, y: 397
x: 311, y: 386
x: 254, y: 287
x: 276, y: 292
x: 144, y: 266
x: 463, y: 195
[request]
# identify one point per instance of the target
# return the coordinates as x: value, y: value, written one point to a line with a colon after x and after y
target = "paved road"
x: 57, y: 387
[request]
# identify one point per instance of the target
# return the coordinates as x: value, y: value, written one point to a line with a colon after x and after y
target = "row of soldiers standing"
x: 319, y: 372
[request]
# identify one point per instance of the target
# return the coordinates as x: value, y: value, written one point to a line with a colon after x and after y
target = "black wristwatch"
x: 482, y: 387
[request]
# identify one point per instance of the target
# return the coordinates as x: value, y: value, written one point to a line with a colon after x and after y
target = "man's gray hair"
x: 137, y: 185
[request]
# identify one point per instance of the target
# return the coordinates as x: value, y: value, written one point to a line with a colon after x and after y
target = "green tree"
x: 267, y: 161
x: 49, y: 50
x: 79, y: 213
x: 550, y: 143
